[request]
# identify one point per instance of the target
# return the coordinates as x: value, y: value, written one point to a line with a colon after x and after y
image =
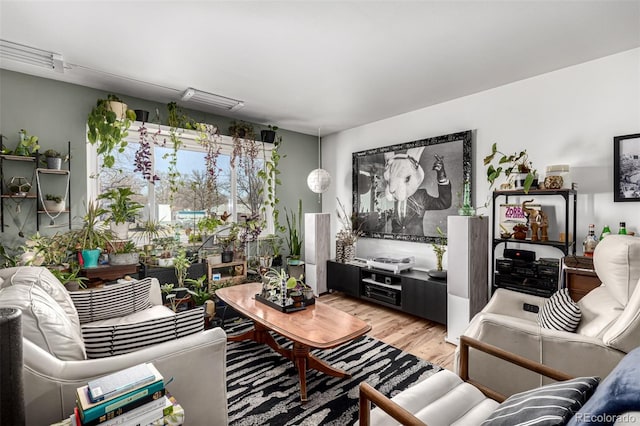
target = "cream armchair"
x: 55, y: 354
x: 610, y: 325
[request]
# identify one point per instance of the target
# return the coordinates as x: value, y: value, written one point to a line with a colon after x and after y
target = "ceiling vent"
x: 210, y: 99
x: 16, y: 52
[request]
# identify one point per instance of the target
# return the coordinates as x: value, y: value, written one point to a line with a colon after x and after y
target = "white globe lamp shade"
x: 319, y: 180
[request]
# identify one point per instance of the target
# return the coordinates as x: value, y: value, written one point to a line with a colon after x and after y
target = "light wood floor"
x: 422, y: 338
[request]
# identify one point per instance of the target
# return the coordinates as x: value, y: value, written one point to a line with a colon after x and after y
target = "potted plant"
x: 121, y: 210
x: 270, y: 177
x: 92, y: 238
x: 516, y: 167
x: 241, y: 130
x: 53, y: 159
x: 28, y: 145
x: 70, y: 277
x: 108, y: 128
x: 124, y: 254
x: 268, y: 135
x: 53, y: 203
x: 166, y: 243
x: 151, y: 230
x: 294, y: 232
x: 439, y: 248
x: 228, y: 242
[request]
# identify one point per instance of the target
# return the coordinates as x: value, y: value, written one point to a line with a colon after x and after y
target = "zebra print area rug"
x: 262, y: 385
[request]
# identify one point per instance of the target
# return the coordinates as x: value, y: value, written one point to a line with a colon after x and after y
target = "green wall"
x: 56, y: 112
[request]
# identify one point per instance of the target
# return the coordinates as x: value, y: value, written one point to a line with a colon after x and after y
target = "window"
x: 237, y: 189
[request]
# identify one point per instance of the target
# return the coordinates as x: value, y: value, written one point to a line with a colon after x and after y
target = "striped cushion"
x: 108, y: 340
x: 112, y: 301
x: 560, y: 312
x: 552, y: 404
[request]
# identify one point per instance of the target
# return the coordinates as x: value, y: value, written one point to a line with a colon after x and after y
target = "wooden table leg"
x: 300, y: 355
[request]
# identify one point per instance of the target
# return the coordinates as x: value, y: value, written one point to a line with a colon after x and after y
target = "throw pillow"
x: 616, y: 395
x: 112, y: 301
x: 553, y: 404
x: 560, y: 312
x: 44, y: 322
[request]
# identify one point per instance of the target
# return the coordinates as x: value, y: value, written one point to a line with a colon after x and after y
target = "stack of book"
x: 134, y: 396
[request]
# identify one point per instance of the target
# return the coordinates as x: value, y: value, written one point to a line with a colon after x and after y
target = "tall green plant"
x: 107, y: 130
x: 122, y: 207
x: 294, y: 231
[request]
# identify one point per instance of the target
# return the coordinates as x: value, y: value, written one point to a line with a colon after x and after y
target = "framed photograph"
x: 406, y: 191
x: 626, y: 168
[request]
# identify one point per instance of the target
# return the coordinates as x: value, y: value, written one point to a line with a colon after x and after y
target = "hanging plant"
x: 243, y: 137
x: 176, y: 119
x: 209, y: 138
x: 142, y: 159
x: 108, y: 129
x: 270, y: 177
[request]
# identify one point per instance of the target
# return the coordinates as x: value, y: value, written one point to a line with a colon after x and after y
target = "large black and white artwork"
x: 626, y: 168
x: 406, y: 191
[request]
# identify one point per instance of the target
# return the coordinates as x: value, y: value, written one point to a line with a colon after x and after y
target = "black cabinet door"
x: 343, y: 277
x: 425, y: 298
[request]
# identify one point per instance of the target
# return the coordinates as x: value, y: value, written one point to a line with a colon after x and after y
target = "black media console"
x: 413, y: 292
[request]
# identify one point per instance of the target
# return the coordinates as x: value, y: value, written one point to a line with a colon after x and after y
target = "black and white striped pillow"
x: 553, y: 404
x: 112, y: 301
x: 104, y: 341
x: 560, y: 312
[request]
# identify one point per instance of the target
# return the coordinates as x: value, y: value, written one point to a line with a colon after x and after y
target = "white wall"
x: 567, y: 116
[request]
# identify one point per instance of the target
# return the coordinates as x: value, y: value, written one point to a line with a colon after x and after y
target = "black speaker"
x: 526, y: 255
x: 11, y: 378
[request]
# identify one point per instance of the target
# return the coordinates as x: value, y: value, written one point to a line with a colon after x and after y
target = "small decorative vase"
x: 349, y: 252
x: 339, y: 251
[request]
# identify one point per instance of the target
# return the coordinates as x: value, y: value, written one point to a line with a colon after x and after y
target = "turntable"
x: 395, y: 265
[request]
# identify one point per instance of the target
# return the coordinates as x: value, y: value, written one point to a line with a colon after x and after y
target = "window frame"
x: 189, y: 142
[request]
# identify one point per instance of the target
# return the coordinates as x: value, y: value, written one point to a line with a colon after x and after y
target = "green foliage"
x: 52, y: 153
x: 28, y: 145
x: 122, y: 208
x: 241, y: 129
x: 153, y: 229
x: 107, y: 130
x: 91, y: 236
x: 515, y: 163
x: 270, y: 176
x: 127, y: 247
x: 208, y: 225
x: 72, y: 274
x: 181, y: 264
x: 198, y: 290
x: 55, y: 198
x: 294, y: 229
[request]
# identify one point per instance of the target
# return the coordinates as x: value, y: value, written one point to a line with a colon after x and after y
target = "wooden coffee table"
x: 318, y: 326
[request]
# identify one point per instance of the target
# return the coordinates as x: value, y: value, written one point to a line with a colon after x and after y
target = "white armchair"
x: 610, y: 325
x: 55, y: 363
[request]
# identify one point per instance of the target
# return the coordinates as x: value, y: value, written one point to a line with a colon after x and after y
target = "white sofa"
x: 608, y: 330
x: 55, y: 362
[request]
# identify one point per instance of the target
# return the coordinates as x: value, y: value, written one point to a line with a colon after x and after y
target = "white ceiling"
x: 317, y: 64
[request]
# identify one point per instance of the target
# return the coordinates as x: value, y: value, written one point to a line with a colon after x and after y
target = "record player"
x: 393, y: 264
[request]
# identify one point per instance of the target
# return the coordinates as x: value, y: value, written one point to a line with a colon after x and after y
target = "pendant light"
x: 319, y: 179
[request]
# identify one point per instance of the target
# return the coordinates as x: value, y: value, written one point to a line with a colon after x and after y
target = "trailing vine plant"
x: 209, y: 138
x: 175, y: 120
x: 270, y: 177
x: 142, y: 159
x: 107, y: 130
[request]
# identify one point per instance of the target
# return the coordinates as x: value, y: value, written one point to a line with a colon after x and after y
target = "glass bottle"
x: 623, y: 228
x: 605, y: 231
x: 590, y: 242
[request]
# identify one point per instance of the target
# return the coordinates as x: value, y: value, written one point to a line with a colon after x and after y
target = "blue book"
x: 120, y: 382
